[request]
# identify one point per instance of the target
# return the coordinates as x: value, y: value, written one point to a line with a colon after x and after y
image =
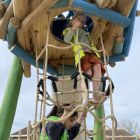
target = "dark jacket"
x: 56, y: 130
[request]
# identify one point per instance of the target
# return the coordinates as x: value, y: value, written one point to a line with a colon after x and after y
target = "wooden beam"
x: 128, y: 6
x: 26, y: 69
x: 113, y: 31
x: 102, y: 3
x: 1, y: 10
x: 5, y: 20
x: 116, y: 58
x: 3, y: 6
x: 112, y: 3
x: 21, y: 8
x: 104, y: 13
x: 11, y: 32
x: 93, y: 10
x: 118, y: 47
x: 129, y: 30
x: 44, y: 6
x: 23, y: 34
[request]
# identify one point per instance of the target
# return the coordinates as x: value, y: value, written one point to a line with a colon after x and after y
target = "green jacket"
x: 63, y: 137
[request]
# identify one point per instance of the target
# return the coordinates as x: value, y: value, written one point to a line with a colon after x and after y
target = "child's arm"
x: 68, y: 35
x: 73, y: 132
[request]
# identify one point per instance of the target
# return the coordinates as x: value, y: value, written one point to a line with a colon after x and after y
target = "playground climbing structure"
x: 29, y: 31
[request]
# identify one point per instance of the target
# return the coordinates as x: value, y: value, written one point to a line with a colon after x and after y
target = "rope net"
x: 43, y: 99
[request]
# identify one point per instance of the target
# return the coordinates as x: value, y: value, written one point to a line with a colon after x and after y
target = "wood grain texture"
x: 32, y: 32
x: 5, y: 20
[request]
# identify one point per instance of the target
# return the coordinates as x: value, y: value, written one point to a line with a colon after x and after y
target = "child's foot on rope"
x: 93, y: 102
x: 98, y: 100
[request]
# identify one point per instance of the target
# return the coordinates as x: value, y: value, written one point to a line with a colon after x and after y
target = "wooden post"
x: 112, y: 3
x: 26, y: 69
x: 11, y: 34
x: 19, y: 135
x: 130, y: 29
x: 20, y: 12
x: 20, y: 8
x: 102, y: 3
x: 5, y: 20
x: 44, y: 6
x: 23, y: 34
x: 1, y: 10
x: 128, y: 6
x: 29, y: 130
x: 110, y: 36
x: 119, y: 42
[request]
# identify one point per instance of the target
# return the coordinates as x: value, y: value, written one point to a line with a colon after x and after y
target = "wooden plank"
x: 23, y: 32
x: 129, y: 30
x: 44, y: 6
x: 11, y: 31
x: 118, y: 47
x: 104, y: 13
x: 112, y: 3
x: 1, y: 10
x: 124, y: 7
x: 5, y: 20
x: 100, y: 29
x: 110, y: 36
x: 3, y: 6
x: 20, y: 11
x: 102, y: 3
x: 26, y: 69
x: 33, y: 35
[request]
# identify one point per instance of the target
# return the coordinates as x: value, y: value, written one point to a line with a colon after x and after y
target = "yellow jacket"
x: 75, y: 38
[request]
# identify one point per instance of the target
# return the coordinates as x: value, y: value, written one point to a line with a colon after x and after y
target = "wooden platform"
x: 35, y: 16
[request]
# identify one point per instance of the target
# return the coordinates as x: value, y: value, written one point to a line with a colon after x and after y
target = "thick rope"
x: 55, y: 47
x: 84, y: 94
x: 111, y: 100
x: 44, y: 80
x: 60, y: 120
x: 37, y: 77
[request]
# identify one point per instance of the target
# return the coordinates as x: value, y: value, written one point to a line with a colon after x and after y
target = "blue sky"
x: 126, y: 98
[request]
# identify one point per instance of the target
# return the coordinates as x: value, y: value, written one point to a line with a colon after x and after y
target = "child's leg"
x: 82, y: 84
x: 97, y: 75
x: 94, y: 100
x: 96, y: 84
